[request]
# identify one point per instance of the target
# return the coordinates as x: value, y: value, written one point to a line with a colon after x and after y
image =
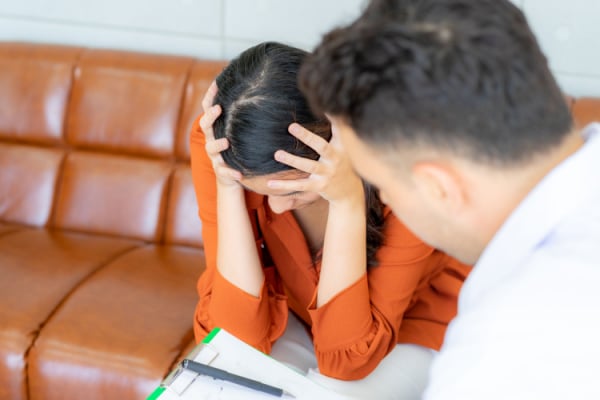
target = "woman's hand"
x: 241, y: 267
x: 331, y: 175
x: 226, y: 177
x: 344, y: 250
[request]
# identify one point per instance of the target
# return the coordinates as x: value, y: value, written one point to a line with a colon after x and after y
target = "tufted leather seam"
x: 180, y: 112
x: 20, y: 141
x: 17, y: 230
x: 164, y: 210
x: 59, y: 305
x: 57, y: 186
x: 69, y: 96
x: 67, y: 150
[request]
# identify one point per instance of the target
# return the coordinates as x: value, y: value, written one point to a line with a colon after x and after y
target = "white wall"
x: 202, y: 28
x: 569, y: 33
x: 568, y: 30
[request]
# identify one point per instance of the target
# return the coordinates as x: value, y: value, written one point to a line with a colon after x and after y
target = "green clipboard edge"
x: 211, y: 335
x: 160, y: 390
x: 157, y: 392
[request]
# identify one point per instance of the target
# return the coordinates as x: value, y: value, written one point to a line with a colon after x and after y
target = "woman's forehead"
x: 259, y: 184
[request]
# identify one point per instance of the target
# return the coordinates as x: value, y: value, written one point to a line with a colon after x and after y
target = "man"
x: 449, y: 108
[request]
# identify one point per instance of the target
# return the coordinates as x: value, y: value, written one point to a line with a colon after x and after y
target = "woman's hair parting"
x: 259, y: 96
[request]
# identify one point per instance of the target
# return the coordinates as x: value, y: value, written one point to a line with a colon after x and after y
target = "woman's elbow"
x: 348, y: 365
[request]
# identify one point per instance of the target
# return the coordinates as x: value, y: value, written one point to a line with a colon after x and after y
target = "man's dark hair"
x: 462, y: 75
x: 260, y: 98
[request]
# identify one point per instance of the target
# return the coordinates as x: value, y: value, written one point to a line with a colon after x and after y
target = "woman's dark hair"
x: 260, y: 98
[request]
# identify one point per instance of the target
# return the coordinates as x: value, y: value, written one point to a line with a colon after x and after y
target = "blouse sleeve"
x: 357, y: 328
x: 256, y: 321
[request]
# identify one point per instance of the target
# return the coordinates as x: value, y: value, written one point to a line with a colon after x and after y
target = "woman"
x: 294, y: 239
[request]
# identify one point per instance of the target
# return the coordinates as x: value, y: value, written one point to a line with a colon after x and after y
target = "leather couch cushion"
x: 127, y: 102
x: 183, y: 225
x: 28, y: 178
x: 586, y: 110
x: 94, y: 150
x: 40, y: 268
x: 120, y: 330
x: 35, y: 82
x: 133, y: 193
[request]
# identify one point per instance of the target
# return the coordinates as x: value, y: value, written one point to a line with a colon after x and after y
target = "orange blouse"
x: 409, y: 297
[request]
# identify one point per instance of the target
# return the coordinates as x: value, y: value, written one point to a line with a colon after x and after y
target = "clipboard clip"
x: 180, y: 379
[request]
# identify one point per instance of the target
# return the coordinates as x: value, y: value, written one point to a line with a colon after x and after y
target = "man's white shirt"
x: 528, y: 323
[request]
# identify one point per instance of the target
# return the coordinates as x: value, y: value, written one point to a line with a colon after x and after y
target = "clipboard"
x: 222, y: 350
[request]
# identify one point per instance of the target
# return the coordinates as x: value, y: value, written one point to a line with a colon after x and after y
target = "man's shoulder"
x: 537, y: 328
x: 576, y: 239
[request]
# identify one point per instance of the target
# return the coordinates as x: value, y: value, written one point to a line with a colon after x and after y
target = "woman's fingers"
x: 208, y: 119
x: 299, y: 163
x: 214, y: 147
x: 211, y: 111
x: 209, y: 96
x: 315, y: 142
x: 224, y: 174
x: 222, y: 170
x: 294, y: 185
x: 320, y: 171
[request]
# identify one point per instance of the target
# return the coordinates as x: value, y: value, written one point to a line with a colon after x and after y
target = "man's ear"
x: 440, y: 184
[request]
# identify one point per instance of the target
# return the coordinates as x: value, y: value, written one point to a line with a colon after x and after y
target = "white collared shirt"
x: 528, y: 325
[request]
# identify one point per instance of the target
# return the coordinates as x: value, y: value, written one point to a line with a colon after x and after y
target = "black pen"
x: 223, y: 375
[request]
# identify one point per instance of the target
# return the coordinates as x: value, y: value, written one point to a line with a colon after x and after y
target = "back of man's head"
x: 465, y: 76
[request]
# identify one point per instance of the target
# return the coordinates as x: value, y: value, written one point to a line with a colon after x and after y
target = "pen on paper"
x: 223, y: 375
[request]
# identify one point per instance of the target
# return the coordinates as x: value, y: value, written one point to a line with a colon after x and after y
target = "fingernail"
x: 273, y: 184
x: 279, y: 155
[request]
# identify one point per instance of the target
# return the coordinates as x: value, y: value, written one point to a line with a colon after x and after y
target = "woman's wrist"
x: 237, y: 256
x: 344, y: 251
x: 234, y: 189
x: 351, y: 201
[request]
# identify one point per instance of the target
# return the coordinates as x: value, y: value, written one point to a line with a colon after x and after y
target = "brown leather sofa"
x: 100, y: 243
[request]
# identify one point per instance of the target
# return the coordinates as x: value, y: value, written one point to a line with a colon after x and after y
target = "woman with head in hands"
x: 304, y: 261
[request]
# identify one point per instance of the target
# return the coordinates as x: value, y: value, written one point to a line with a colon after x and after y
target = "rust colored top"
x: 409, y: 297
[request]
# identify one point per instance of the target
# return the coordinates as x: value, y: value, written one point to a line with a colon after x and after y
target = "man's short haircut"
x: 466, y: 76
